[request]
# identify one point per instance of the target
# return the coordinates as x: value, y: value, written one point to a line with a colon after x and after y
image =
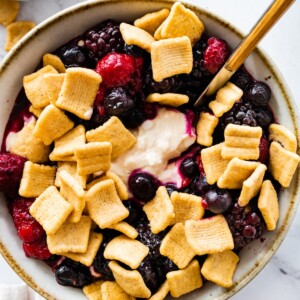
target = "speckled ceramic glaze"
x: 59, y: 29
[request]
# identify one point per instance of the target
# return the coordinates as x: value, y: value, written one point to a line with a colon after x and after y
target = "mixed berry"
x: 126, y: 81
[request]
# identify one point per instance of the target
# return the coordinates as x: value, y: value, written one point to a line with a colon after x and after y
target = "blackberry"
x: 242, y: 113
x: 102, y: 39
x: 246, y: 224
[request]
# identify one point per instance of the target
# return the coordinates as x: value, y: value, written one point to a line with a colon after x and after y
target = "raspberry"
x: 121, y: 70
x: 263, y: 151
x: 215, y: 54
x: 37, y: 249
x: 29, y: 230
x: 11, y: 170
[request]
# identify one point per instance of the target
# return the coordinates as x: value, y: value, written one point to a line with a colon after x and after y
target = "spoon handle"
x: 264, y: 24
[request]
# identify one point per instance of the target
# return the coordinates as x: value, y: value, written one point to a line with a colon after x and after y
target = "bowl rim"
x: 276, y: 74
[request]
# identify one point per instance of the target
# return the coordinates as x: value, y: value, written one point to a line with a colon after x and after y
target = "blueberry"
x: 258, y: 93
x: 73, y: 274
x: 241, y: 78
x: 143, y: 186
x: 118, y: 101
x: 189, y: 167
x: 133, y: 118
x: 199, y: 185
x: 75, y: 56
x: 264, y: 117
x: 218, y: 200
x: 171, y: 188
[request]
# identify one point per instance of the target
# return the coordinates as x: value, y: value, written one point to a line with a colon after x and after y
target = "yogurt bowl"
x: 47, y: 37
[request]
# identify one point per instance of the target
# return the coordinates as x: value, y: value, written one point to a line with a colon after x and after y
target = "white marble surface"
x: 280, y: 279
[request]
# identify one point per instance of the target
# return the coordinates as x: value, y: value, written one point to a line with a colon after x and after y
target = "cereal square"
x: 53, y: 84
x: 126, y: 229
x: 170, y: 99
x: 35, y: 179
x: 171, y: 57
x: 113, y: 131
x: 220, y: 267
x: 8, y: 11
x: 70, y: 237
x: 93, y: 157
x: 209, y: 235
x: 205, y: 128
x: 79, y: 91
x: 162, y: 292
x: 185, y: 281
x: 35, y: 111
x: 104, y: 204
x: 93, y: 290
x: 51, y: 210
x: 110, y: 290
x: 54, y: 61
x: 52, y: 124
x: 35, y: 88
x: 159, y: 210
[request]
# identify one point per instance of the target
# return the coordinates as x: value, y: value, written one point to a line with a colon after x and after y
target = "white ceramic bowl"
x: 59, y: 29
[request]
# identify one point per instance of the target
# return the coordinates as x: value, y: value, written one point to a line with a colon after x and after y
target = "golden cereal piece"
x: 186, y: 207
x: 71, y: 237
x: 35, y: 89
x: 236, y: 173
x: 205, y: 128
x: 53, y: 84
x: 126, y: 229
x: 88, y: 257
x: 150, y: 22
x: 220, y: 267
x: 170, y: 99
x: 93, y: 290
x: 8, y: 11
x: 225, y: 98
x: 35, y: 111
x: 65, y: 145
x: 27, y: 145
x: 252, y: 185
x: 52, y: 124
x: 79, y: 91
x: 182, y: 22
x: 104, y: 204
x: 15, y: 31
x: 120, y: 185
x: 175, y: 246
x: 184, y: 281
x: 113, y: 131
x: 171, y: 57
x: 130, y: 281
x: 71, y: 168
x: 93, y: 157
x: 242, y: 142
x: 159, y: 210
x: 161, y: 293
x: 73, y: 192
x: 268, y: 204
x: 157, y: 33
x: 36, y: 179
x: 210, y: 235
x: 213, y: 163
x: 128, y: 251
x: 281, y: 159
x: 110, y: 290
x: 51, y: 210
x: 54, y: 61
x: 133, y: 35
x: 284, y: 136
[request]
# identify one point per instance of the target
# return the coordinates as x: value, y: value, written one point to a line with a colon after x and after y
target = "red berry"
x: 121, y: 70
x: 11, y: 170
x: 37, y: 249
x: 29, y: 230
x: 263, y: 151
x: 215, y: 54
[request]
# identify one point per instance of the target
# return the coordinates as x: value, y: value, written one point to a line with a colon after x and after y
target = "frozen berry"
x: 258, y: 93
x: 171, y: 188
x: 29, y: 230
x: 121, y: 70
x: 241, y: 78
x: 118, y: 101
x: 133, y: 118
x: 37, y: 249
x: 135, y: 211
x: 263, y: 151
x: 189, y: 167
x: 264, y: 116
x: 150, y: 274
x: 167, y: 265
x: 199, y: 186
x: 74, y: 274
x: 143, y: 186
x: 218, y: 201
x: 215, y: 54
x: 74, y: 56
x: 11, y: 170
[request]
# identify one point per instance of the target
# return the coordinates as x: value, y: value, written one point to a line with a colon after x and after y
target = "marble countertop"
x: 280, y: 279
